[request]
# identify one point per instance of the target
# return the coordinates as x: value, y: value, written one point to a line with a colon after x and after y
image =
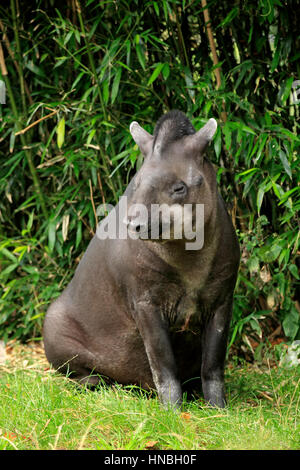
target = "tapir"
x: 146, y: 310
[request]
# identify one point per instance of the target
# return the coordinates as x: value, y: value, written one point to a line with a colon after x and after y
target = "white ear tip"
x: 133, y: 125
x: 213, y: 122
x: 211, y: 126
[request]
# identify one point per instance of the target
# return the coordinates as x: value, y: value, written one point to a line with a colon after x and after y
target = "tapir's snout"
x: 136, y: 227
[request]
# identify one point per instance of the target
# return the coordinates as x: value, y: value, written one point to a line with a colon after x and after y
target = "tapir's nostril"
x: 135, y: 226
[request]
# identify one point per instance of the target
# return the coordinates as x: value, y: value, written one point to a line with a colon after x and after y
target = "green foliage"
x: 97, y: 68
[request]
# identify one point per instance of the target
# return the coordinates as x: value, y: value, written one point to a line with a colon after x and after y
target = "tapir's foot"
x: 170, y: 394
x: 214, y: 393
x: 85, y: 377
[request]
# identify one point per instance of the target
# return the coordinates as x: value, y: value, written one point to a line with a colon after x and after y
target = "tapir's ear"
x: 141, y: 137
x: 201, y: 139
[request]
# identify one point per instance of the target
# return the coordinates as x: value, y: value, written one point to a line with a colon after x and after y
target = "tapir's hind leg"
x: 65, y: 349
x: 82, y: 354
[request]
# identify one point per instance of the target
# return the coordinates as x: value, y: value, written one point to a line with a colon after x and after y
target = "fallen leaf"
x: 150, y: 444
x: 186, y: 416
x: 10, y: 435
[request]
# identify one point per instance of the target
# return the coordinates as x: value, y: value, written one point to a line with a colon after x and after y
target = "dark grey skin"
x: 150, y: 312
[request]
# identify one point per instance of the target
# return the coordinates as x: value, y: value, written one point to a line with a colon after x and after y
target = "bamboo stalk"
x: 212, y: 44
x: 101, y: 187
x: 181, y: 39
x: 94, y: 73
x: 34, y: 175
x: 12, y: 55
x: 19, y: 56
x: 93, y: 204
x: 2, y: 62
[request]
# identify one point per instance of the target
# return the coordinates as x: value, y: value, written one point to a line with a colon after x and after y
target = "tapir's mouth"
x: 144, y: 234
x: 138, y: 234
x: 159, y: 234
x: 176, y: 226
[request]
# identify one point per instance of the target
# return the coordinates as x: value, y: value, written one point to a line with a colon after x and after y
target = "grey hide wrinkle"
x: 151, y: 312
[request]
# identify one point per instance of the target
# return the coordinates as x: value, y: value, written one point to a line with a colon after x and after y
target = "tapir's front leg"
x: 214, y: 345
x: 158, y: 347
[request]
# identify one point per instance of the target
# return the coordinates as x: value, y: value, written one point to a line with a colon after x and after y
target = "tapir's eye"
x: 198, y: 180
x: 179, y: 189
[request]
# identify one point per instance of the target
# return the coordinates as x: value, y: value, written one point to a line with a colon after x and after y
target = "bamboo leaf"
x: 9, y: 269
x: 156, y: 8
x: 140, y: 56
x: 155, y: 73
x: 65, y: 226
x: 166, y: 71
x: 231, y: 15
x: 294, y: 270
x: 60, y: 133
x: 285, y: 163
x: 8, y: 254
x: 35, y: 69
x: 115, y: 86
x: 51, y: 234
x: 218, y: 143
x: 78, y: 234
x: 286, y: 90
x: 259, y: 199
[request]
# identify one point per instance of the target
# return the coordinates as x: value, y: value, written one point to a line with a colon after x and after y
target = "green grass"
x: 43, y: 410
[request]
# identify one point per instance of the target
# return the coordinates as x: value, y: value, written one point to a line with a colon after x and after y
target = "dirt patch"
x: 17, y: 355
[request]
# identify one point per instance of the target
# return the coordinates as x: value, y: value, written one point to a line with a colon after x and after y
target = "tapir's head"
x: 174, y: 174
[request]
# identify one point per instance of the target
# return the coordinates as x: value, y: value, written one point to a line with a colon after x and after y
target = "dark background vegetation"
x: 90, y: 68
